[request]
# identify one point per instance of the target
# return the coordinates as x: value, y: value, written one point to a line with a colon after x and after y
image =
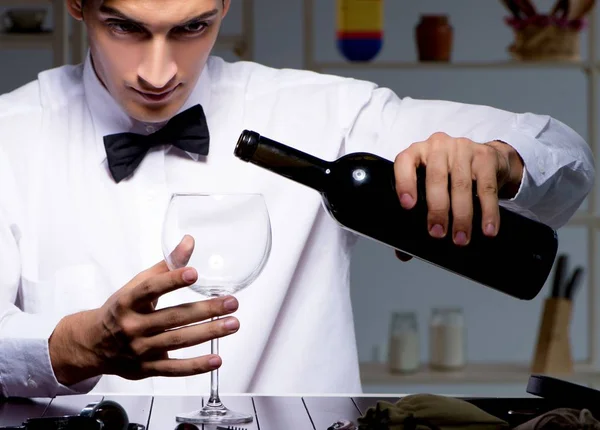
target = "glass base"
x: 214, y: 415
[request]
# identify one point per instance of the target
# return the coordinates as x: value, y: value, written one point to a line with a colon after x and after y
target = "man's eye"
x: 194, y: 27
x: 123, y: 27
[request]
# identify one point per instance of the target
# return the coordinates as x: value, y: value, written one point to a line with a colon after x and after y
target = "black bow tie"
x: 187, y: 131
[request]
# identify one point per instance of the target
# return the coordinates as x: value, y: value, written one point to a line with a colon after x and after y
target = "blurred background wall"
x: 500, y: 332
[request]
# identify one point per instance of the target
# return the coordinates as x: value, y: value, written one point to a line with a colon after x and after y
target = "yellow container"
x: 360, y: 28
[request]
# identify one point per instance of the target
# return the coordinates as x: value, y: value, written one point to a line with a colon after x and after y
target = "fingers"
x: 436, y: 191
x: 180, y: 367
x: 182, y: 253
x: 462, y: 194
x: 405, y: 175
x: 485, y: 168
x: 187, y: 313
x: 146, y: 287
x: 432, y: 153
x: 184, y: 337
x: 152, y: 288
x: 178, y: 259
x: 158, y: 268
x: 463, y: 161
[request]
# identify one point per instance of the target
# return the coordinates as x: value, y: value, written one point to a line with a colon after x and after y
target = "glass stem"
x: 214, y: 401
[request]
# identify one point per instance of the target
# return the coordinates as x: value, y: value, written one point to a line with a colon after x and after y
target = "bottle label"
x: 360, y: 19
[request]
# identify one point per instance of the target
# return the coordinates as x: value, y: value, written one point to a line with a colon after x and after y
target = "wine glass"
x: 227, y: 239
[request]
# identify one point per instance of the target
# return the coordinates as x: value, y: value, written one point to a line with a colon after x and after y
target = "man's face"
x: 149, y: 54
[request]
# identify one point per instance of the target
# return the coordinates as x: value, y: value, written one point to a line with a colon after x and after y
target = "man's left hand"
x: 495, y: 166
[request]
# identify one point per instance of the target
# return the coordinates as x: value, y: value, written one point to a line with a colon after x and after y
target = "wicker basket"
x: 546, y: 43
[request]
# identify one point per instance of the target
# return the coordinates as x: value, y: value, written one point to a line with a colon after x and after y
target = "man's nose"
x: 158, y: 67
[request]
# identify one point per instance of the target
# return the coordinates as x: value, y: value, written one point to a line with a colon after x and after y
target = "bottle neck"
x: 283, y: 160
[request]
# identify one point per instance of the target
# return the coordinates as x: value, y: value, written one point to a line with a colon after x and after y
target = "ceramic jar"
x: 434, y: 37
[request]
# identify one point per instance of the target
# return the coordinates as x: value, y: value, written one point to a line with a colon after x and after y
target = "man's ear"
x: 75, y: 8
x: 226, y: 5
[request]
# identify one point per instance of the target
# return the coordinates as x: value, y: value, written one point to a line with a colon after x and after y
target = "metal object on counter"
x: 111, y: 414
x: 103, y: 415
x: 59, y: 423
x: 342, y: 425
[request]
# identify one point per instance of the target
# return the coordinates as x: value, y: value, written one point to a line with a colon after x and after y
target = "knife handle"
x: 557, y: 284
x: 573, y: 283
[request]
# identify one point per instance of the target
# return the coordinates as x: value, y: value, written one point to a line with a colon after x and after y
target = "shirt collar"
x: 109, y: 118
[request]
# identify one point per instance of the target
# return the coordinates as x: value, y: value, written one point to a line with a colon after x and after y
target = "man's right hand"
x: 129, y: 338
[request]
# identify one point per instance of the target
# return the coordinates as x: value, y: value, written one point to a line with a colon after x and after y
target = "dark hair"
x: 83, y: 3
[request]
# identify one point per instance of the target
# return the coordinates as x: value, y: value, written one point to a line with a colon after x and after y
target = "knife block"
x: 553, y: 350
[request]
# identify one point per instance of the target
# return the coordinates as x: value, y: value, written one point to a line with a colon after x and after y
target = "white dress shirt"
x: 70, y: 236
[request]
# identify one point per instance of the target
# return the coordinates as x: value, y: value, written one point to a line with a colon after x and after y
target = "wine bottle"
x: 358, y: 191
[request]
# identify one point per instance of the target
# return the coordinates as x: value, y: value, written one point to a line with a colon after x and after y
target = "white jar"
x: 447, y: 343
x: 403, y: 346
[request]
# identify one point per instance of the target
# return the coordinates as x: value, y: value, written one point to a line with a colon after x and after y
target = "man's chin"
x: 153, y: 113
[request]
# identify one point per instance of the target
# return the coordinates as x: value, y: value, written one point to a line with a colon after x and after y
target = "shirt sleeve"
x: 559, y: 166
x: 25, y: 367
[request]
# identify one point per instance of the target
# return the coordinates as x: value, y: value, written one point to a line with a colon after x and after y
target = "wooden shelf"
x: 26, y: 40
x: 474, y: 373
x: 46, y: 40
x: 583, y: 219
x: 19, y: 3
x: 408, y: 65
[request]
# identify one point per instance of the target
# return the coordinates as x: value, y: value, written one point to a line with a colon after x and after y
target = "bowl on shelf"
x: 24, y: 20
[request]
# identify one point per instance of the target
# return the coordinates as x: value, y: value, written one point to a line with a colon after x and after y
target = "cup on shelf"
x: 23, y: 20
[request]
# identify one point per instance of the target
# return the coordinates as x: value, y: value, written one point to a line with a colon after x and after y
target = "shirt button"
x: 541, y: 167
x: 31, y: 383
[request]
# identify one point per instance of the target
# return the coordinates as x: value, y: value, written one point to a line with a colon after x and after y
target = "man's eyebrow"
x: 202, y: 17
x: 107, y: 10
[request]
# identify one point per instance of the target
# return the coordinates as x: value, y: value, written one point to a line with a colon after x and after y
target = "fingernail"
x: 189, y: 275
x: 437, y: 231
x: 214, y: 361
x: 407, y: 201
x: 231, y: 324
x: 230, y: 304
x: 460, y: 238
x: 490, y: 229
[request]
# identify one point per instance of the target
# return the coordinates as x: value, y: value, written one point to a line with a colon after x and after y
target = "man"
x: 86, y: 302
